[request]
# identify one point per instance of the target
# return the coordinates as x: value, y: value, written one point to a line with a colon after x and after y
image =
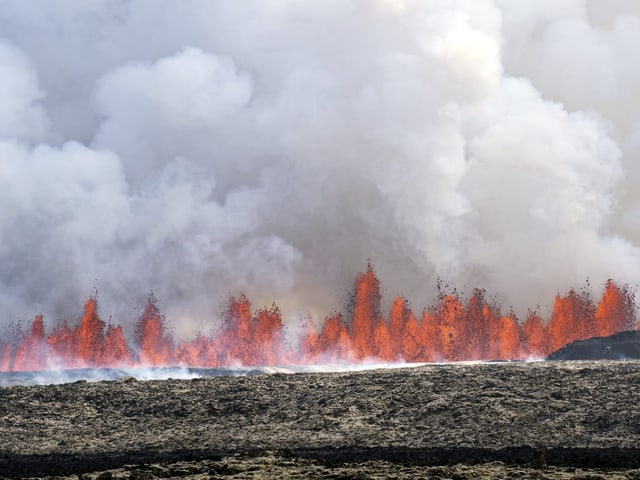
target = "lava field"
x: 491, y: 420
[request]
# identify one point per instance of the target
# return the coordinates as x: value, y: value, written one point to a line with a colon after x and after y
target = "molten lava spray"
x: 449, y: 331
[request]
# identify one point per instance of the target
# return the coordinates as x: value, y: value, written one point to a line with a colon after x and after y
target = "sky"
x: 198, y: 149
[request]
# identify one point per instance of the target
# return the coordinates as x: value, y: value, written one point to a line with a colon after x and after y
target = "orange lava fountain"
x: 450, y: 330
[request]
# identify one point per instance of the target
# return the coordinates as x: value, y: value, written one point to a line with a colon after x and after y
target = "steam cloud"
x: 199, y: 148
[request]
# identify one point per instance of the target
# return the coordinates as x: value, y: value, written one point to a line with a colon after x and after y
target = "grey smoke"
x: 203, y: 148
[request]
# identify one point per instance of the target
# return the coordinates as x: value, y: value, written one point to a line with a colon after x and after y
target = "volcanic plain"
x: 574, y: 419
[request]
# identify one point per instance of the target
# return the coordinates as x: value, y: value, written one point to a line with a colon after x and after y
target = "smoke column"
x: 199, y: 148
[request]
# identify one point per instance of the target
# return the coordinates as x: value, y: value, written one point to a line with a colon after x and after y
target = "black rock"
x: 619, y: 346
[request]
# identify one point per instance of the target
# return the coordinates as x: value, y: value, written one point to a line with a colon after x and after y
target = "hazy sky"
x: 200, y: 148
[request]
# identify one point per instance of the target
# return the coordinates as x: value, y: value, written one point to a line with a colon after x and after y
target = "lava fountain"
x: 453, y: 329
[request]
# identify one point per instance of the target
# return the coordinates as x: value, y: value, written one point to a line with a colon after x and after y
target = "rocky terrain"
x: 498, y: 420
x: 619, y: 346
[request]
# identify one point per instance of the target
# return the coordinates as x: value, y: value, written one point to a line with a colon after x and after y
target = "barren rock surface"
x: 619, y: 346
x: 503, y: 420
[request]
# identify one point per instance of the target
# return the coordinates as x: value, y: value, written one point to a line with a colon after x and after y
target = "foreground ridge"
x: 526, y: 455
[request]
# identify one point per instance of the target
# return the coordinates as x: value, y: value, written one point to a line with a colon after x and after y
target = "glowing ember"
x: 448, y: 331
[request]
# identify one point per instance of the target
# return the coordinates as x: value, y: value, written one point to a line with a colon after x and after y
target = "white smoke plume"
x: 201, y: 148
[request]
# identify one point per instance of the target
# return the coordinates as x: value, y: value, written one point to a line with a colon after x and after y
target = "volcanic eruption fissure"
x: 453, y: 329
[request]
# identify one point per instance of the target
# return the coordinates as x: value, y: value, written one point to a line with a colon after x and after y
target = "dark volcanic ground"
x: 503, y: 420
x: 619, y: 346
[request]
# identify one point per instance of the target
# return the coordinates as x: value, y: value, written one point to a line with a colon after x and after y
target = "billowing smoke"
x: 202, y: 148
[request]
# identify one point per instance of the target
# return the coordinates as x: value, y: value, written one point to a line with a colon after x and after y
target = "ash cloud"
x: 201, y: 148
